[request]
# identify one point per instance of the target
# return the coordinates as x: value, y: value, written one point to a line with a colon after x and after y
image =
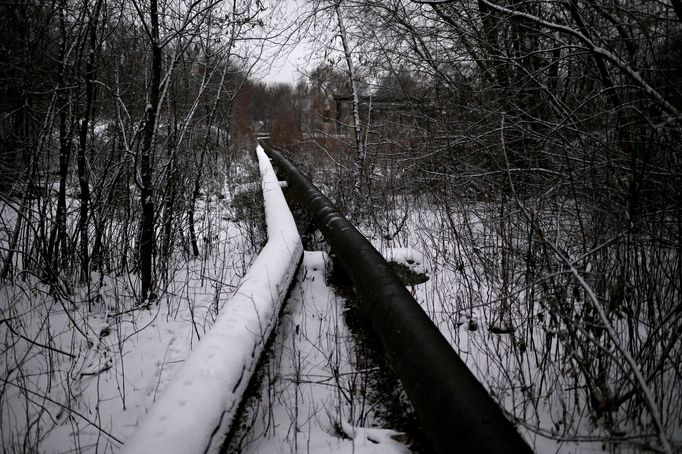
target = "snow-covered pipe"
x: 196, y: 409
x: 457, y: 413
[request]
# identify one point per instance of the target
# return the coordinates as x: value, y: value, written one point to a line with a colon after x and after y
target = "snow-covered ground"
x: 197, y: 407
x: 104, y: 368
x: 311, y: 394
x: 169, y: 378
x: 515, y: 355
x: 79, y: 377
x: 114, y: 377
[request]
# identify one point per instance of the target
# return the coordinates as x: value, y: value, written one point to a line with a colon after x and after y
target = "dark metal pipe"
x: 457, y: 413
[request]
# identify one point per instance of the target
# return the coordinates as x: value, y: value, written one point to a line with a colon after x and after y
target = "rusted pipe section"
x: 457, y: 413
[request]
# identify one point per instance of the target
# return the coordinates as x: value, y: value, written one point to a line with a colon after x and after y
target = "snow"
x: 303, y: 403
x: 407, y: 256
x: 198, y: 405
x: 93, y: 380
x: 462, y: 298
x: 78, y: 375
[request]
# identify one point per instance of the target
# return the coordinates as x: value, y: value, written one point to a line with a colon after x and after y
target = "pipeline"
x: 457, y: 413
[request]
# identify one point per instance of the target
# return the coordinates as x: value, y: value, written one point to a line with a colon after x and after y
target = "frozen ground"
x: 115, y: 377
x: 513, y: 352
x: 311, y: 395
x: 104, y: 368
x: 198, y: 406
x: 78, y: 378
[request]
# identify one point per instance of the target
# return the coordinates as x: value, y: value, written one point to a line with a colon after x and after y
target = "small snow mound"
x: 317, y: 260
x: 408, y: 264
x: 409, y: 257
x: 374, y: 441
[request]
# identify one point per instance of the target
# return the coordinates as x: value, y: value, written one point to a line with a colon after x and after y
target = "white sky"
x: 286, y: 68
x: 297, y: 54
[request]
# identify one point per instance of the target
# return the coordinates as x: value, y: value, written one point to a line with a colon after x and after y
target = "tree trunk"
x: 359, y: 162
x: 147, y: 238
x: 57, y: 244
x: 83, y: 144
x: 169, y: 210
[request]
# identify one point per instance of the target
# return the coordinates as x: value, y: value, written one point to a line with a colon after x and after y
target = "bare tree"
x: 561, y: 119
x: 358, y: 163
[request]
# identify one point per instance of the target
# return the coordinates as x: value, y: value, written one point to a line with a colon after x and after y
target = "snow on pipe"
x: 196, y: 409
x: 456, y: 412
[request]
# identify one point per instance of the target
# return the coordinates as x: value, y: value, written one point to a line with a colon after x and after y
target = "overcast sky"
x: 296, y: 56
x: 281, y: 15
x: 286, y: 67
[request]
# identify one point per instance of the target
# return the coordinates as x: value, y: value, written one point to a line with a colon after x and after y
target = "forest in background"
x: 544, y: 137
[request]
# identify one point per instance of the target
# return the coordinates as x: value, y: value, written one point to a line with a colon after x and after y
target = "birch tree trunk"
x: 359, y: 162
